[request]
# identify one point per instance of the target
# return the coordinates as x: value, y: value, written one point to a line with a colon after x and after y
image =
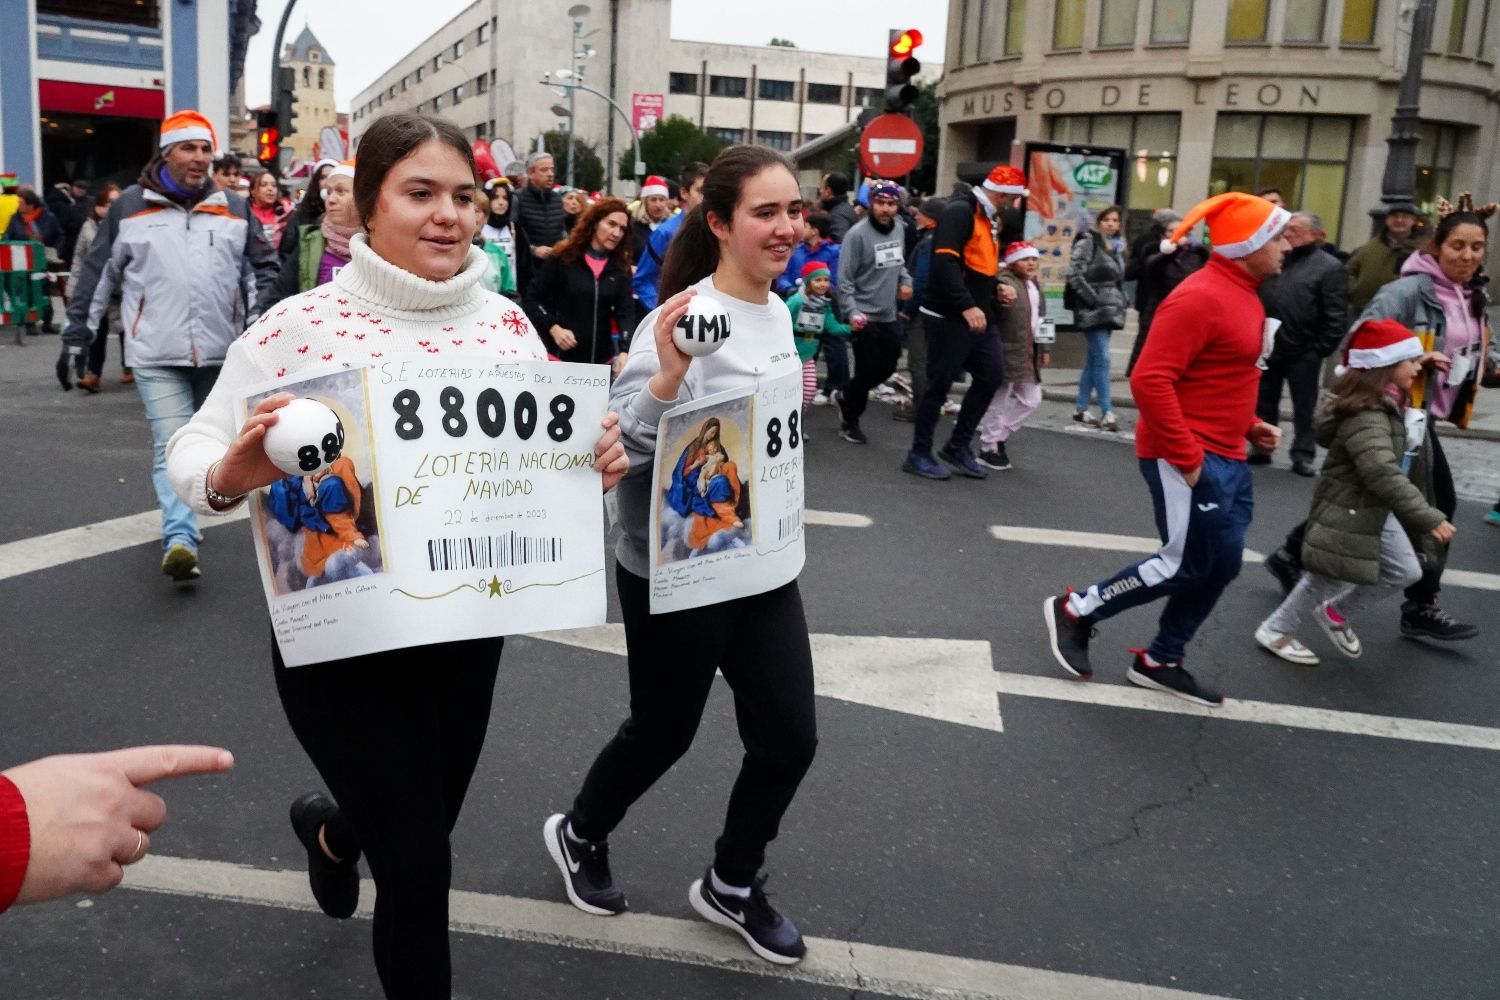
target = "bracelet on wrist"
x: 215, y: 498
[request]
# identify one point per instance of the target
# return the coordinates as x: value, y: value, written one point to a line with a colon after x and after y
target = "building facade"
x: 479, y: 73
x: 312, y: 75
x: 84, y: 84
x: 1208, y: 96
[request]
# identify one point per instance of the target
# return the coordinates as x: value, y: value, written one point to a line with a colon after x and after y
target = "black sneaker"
x: 1069, y: 636
x: 585, y: 870
x: 960, y: 457
x: 1172, y: 679
x: 1428, y: 621
x: 769, y: 934
x: 335, y: 884
x: 924, y: 465
x: 849, y: 431
x: 995, y: 458
x: 1285, y: 568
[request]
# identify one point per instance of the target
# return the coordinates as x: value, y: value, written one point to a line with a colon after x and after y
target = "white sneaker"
x: 1109, y: 423
x: 821, y: 399
x: 1285, y: 646
x: 1339, y: 631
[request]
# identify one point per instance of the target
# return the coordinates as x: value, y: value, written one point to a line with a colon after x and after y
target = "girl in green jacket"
x: 1368, y: 507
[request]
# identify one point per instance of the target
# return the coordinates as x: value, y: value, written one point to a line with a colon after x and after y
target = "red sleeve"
x: 15, y: 842
x: 1177, y: 336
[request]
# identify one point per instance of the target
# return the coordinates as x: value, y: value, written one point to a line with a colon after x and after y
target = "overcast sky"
x: 363, y: 44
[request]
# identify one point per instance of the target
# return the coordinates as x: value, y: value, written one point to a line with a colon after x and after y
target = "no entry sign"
x: 890, y: 146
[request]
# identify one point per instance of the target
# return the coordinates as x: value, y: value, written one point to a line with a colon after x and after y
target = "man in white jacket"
x: 191, y: 269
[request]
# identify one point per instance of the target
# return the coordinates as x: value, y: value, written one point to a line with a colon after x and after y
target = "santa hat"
x: 1377, y: 343
x: 1238, y: 224
x: 186, y: 126
x: 655, y: 186
x: 815, y: 269
x: 1020, y: 250
x: 1006, y: 179
x: 345, y: 169
x: 326, y: 161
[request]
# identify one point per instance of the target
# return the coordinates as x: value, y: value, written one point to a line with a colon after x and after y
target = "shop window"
x: 776, y: 140
x: 1305, y: 157
x: 726, y: 86
x: 1456, y: 26
x: 1150, y: 142
x: 1359, y: 22
x: 1117, y: 22
x: 728, y: 136
x: 1067, y: 24
x: 776, y: 90
x: 1304, y: 21
x: 682, y: 83
x: 825, y: 93
x: 1437, y: 150
x: 1247, y: 21
x: 1171, y: 22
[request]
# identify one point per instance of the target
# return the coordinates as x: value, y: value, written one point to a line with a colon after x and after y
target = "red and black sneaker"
x: 1171, y: 678
x: 1069, y: 635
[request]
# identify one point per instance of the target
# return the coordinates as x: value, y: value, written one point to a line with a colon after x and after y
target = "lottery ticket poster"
x: 727, y: 493
x: 470, y: 480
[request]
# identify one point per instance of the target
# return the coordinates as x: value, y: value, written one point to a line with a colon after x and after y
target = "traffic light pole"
x: 286, y: 16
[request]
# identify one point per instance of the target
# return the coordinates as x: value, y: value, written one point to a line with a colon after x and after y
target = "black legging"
x: 99, y: 348
x: 396, y: 737
x: 760, y: 644
x: 1445, y: 499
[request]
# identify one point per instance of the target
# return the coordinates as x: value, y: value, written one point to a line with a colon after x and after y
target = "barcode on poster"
x: 789, y: 526
x: 492, y: 551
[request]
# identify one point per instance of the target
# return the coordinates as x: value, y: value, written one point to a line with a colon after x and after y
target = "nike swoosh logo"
x: 1206, y: 507
x: 568, y: 856
x: 738, y: 918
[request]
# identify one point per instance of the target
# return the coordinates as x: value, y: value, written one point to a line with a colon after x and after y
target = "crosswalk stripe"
x: 1133, y: 543
x: 845, y: 965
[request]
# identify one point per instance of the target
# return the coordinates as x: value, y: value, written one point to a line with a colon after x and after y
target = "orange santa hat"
x: 186, y: 126
x: 1238, y: 224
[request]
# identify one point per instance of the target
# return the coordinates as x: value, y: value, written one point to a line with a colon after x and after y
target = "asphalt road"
x: 1226, y: 858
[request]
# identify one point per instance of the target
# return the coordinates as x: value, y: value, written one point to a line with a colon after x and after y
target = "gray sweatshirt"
x: 872, y: 268
x: 760, y: 347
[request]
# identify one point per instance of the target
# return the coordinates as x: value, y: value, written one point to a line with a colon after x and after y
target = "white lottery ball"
x: 703, y: 328
x: 305, y: 439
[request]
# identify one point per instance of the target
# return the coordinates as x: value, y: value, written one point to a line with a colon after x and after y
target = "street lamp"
x: 577, y: 12
x: 1398, y: 183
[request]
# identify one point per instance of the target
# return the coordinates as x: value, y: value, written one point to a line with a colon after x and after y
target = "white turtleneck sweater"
x: 371, y: 308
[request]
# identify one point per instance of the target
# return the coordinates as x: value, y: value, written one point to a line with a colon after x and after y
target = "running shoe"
x: 836, y: 399
x: 1109, y: 423
x: 1285, y: 567
x: 1085, y: 418
x: 1428, y: 621
x: 1285, y: 645
x: 335, y: 884
x: 181, y: 564
x: 926, y: 466
x: 585, y: 870
x: 1339, y: 631
x: 1173, y: 680
x: 1493, y: 517
x: 995, y: 458
x: 950, y: 407
x: 849, y: 431
x: 768, y: 933
x: 821, y: 399
x: 1302, y: 467
x: 1069, y: 636
x: 962, y: 458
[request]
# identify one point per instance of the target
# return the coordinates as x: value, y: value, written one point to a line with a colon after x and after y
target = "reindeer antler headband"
x: 1465, y: 204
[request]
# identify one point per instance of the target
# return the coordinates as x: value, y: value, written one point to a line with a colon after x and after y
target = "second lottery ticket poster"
x: 463, y: 503
x: 727, y: 496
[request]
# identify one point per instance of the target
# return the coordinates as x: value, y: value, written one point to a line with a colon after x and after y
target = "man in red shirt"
x: 1195, y: 385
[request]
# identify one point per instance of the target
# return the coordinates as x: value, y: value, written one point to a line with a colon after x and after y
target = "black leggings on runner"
x: 760, y: 644
x: 396, y: 737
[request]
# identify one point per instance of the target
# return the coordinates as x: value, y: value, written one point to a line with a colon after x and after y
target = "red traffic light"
x: 906, y: 42
x: 269, y: 145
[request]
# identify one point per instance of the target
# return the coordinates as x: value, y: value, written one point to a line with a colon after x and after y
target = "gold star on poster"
x: 494, y: 586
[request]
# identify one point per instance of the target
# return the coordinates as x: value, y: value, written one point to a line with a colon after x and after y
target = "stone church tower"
x: 313, y: 67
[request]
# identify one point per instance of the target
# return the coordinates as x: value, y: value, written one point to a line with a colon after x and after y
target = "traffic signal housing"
x: 901, y: 65
x: 268, y: 140
x: 286, y: 101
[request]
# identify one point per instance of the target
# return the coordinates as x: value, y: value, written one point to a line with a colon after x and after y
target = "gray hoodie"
x: 872, y: 269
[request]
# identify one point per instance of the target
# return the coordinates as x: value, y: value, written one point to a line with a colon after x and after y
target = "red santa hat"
x: 1006, y: 179
x: 186, y: 126
x: 1020, y: 250
x: 1378, y: 343
x: 1238, y: 224
x: 655, y: 186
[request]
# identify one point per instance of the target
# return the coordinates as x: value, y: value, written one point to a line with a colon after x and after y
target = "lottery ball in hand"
x: 305, y: 439
x: 703, y: 328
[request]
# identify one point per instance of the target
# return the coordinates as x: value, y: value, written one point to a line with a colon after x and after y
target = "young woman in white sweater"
x: 395, y: 735
x: 733, y: 246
